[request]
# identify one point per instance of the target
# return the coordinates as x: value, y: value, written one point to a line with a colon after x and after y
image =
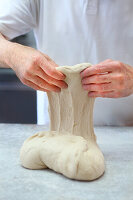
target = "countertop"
x: 18, y: 183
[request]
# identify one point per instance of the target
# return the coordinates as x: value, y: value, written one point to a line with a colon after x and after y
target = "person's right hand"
x: 36, y: 69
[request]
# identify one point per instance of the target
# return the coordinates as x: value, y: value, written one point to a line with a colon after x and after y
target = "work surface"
x: 18, y: 183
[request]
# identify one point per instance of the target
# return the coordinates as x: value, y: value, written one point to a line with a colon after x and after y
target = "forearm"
x: 6, y: 48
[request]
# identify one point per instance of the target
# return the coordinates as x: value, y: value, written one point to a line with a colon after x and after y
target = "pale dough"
x: 70, y: 146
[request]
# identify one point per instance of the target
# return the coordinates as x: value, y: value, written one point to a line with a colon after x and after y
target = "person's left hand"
x: 111, y: 79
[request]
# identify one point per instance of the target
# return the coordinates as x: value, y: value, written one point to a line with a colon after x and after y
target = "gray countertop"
x: 18, y: 183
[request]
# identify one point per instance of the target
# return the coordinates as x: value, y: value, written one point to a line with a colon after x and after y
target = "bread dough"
x: 70, y: 146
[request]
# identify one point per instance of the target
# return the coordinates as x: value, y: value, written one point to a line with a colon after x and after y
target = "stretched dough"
x: 70, y: 146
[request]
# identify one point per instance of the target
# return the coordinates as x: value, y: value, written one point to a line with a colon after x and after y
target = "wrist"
x: 4, y: 52
x: 10, y: 53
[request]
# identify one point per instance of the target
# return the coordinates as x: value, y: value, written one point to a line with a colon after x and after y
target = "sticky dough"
x: 70, y: 146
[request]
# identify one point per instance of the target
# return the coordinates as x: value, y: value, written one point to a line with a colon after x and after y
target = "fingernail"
x: 63, y: 76
x: 65, y: 86
x: 82, y: 81
x: 57, y: 89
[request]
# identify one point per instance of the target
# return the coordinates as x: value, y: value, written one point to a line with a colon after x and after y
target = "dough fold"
x: 70, y: 146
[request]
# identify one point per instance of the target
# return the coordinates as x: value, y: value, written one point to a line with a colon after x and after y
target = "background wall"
x: 17, y: 101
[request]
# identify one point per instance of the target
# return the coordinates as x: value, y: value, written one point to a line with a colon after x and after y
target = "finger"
x: 99, y: 78
x: 98, y: 87
x: 34, y: 86
x: 103, y: 62
x: 98, y: 69
x: 111, y: 94
x: 43, y: 84
x: 44, y: 76
x: 51, y: 70
x: 51, y: 61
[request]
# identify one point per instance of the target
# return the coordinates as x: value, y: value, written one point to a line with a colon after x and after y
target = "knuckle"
x: 26, y: 74
x: 52, y: 71
x: 23, y: 80
x: 35, y: 59
x: 121, y: 77
x: 121, y: 81
x: 98, y: 69
x: 109, y: 60
x: 30, y: 68
x: 118, y: 64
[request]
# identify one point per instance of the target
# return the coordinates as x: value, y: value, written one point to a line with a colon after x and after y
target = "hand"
x: 111, y: 79
x: 36, y: 69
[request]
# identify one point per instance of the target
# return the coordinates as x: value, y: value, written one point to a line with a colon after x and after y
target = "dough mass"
x: 70, y: 146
